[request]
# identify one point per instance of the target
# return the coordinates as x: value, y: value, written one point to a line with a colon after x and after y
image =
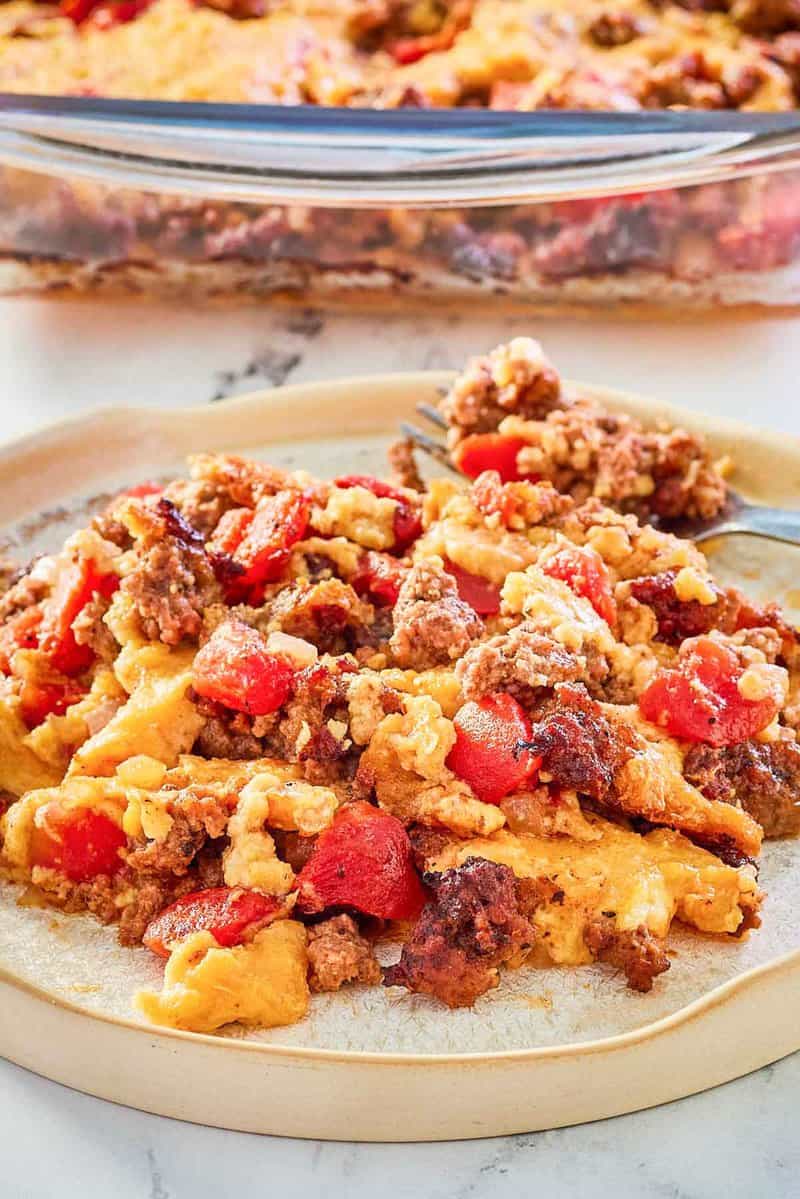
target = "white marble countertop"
x: 740, y: 1140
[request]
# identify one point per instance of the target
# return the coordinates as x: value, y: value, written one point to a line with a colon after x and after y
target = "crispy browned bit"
x: 326, y: 613
x: 426, y: 843
x: 200, y: 501
x: 293, y: 848
x: 637, y: 952
x: 472, y: 925
x: 578, y: 745
x: 432, y: 625
x: 763, y: 778
x: 339, y: 954
x: 678, y: 619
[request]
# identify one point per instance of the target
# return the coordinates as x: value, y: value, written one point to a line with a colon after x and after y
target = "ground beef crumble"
x: 678, y: 619
x: 472, y: 925
x: 764, y: 779
x: 524, y: 660
x: 637, y: 952
x: 339, y: 954
x: 432, y: 625
x: 515, y: 378
x: 172, y: 582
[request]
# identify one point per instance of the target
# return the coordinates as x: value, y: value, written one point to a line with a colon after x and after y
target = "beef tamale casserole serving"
x: 502, y: 719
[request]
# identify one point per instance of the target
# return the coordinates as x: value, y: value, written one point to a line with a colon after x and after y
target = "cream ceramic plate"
x: 549, y: 1047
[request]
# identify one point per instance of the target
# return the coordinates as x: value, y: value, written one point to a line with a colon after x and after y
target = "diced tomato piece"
x: 20, y: 631
x: 109, y: 13
x: 699, y: 699
x: 379, y: 577
x: 230, y: 914
x: 493, y: 497
x: 490, y: 451
x: 490, y: 752
x: 408, y: 50
x: 362, y: 861
x: 77, y: 10
x: 251, y: 548
x: 39, y: 700
x: 585, y: 573
x: 140, y: 490
x: 479, y: 593
x: 79, y: 842
x: 234, y: 668
x: 75, y: 586
x: 407, y: 522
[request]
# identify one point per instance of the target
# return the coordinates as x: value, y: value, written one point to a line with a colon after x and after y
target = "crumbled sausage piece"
x: 763, y: 778
x: 22, y: 593
x: 513, y: 378
x: 472, y: 925
x: 339, y: 954
x: 432, y: 625
x: 523, y: 660
x: 172, y: 582
x: 638, y: 952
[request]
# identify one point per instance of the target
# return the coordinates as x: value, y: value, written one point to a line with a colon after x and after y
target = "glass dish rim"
x: 368, y: 158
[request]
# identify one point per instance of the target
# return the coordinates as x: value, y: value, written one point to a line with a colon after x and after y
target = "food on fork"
x: 272, y: 725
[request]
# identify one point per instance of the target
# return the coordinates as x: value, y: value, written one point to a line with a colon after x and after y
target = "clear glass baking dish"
x: 552, y: 209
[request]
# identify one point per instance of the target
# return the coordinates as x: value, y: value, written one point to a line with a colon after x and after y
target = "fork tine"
x: 429, y: 445
x: 432, y: 414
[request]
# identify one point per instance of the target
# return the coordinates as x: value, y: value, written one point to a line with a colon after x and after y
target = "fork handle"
x: 779, y: 524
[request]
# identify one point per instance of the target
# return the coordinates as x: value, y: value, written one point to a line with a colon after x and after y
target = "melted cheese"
x: 262, y: 984
x: 636, y: 881
x: 158, y: 718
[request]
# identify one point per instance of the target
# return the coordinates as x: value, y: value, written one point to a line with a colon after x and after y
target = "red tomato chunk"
x: 481, y: 595
x: 699, y: 700
x: 585, y: 573
x: 379, y: 577
x: 231, y: 914
x: 81, y: 843
x: 489, y: 752
x: 39, y: 700
x: 490, y: 451
x: 75, y: 586
x: 362, y: 861
x: 234, y: 668
x: 258, y: 544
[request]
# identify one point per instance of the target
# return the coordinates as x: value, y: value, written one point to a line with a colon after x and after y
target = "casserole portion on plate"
x: 267, y: 723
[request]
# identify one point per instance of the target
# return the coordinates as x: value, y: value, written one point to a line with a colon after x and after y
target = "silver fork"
x: 738, y: 515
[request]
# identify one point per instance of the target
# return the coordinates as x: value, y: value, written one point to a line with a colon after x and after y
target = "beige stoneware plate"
x: 549, y: 1047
